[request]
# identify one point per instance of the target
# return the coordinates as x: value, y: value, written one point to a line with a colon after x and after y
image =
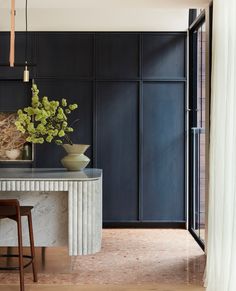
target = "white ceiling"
x: 100, y: 15
x: 56, y: 4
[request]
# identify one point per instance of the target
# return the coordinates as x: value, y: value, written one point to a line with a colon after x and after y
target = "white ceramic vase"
x: 75, y: 160
x: 13, y: 154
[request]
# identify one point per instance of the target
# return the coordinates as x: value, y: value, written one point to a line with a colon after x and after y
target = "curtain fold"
x: 221, y: 254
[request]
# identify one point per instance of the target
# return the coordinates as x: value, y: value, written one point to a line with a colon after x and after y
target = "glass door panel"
x: 197, y: 102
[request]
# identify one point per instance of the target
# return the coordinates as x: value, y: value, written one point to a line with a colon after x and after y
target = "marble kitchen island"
x: 67, y: 207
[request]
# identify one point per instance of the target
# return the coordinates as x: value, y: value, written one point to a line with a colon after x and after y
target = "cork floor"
x: 131, y: 259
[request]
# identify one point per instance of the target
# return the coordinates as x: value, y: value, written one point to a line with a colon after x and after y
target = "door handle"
x: 189, y: 109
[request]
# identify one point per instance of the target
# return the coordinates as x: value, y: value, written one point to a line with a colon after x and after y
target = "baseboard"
x: 145, y: 224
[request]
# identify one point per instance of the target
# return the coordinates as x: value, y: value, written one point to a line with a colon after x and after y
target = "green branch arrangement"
x: 45, y: 120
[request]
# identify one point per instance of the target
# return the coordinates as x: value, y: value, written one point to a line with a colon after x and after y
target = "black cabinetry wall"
x: 130, y: 88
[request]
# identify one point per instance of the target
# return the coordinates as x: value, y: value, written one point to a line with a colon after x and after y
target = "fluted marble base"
x: 67, y: 207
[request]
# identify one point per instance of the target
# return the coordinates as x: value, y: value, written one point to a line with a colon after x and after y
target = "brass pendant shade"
x: 26, y: 74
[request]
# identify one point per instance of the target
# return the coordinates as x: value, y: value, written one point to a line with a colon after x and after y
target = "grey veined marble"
x: 67, y: 207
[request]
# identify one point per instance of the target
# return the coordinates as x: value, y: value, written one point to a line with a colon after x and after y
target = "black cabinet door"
x: 164, y: 55
x: 117, y: 56
x: 49, y: 155
x: 65, y: 55
x: 14, y: 95
x: 163, y: 151
x: 117, y: 148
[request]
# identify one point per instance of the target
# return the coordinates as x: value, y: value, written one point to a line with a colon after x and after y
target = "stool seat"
x: 9, y: 211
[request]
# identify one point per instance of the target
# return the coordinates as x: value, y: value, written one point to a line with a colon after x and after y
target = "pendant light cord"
x: 26, y: 30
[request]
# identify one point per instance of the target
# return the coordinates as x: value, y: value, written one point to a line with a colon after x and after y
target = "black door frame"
x: 198, y: 22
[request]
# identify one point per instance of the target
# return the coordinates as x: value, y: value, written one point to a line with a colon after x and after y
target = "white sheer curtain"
x: 221, y: 260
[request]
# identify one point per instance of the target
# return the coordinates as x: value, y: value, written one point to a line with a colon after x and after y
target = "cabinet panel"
x: 163, y: 151
x: 49, y: 155
x: 117, y: 55
x: 164, y: 55
x: 65, y: 55
x: 117, y: 148
x: 14, y: 95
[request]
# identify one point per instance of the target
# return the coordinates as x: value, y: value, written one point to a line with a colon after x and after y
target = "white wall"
x: 100, y: 15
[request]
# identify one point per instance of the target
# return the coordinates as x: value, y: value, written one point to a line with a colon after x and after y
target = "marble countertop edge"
x: 49, y: 174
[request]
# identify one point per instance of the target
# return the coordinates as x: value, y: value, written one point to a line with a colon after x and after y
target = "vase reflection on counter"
x: 75, y: 160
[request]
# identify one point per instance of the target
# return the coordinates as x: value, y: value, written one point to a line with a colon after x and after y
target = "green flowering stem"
x: 45, y: 120
x: 68, y: 140
x: 74, y: 122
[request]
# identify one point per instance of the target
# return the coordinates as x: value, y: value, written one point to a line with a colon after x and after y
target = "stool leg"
x: 9, y: 252
x: 20, y: 248
x: 31, y: 235
x: 43, y: 256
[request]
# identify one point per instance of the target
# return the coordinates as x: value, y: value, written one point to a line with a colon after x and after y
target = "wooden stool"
x: 11, y: 209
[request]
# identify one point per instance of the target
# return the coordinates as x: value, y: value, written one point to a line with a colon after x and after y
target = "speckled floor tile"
x: 156, y: 287
x: 128, y: 257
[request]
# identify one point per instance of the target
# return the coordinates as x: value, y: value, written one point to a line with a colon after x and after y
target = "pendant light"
x: 12, y: 34
x: 26, y: 71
